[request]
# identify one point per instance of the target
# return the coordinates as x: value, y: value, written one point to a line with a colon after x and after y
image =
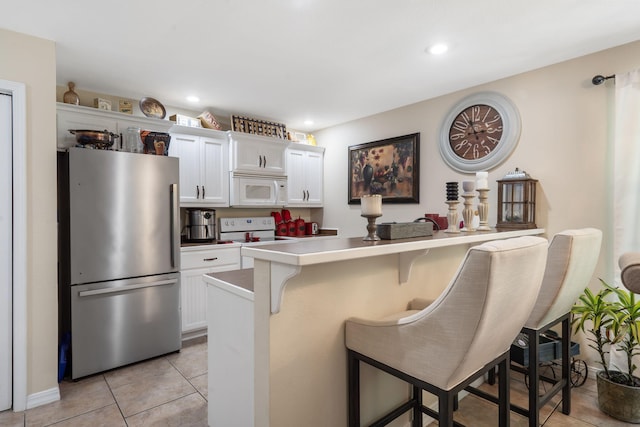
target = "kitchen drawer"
x: 211, y: 258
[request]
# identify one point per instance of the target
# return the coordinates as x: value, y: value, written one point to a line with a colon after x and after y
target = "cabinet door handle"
x: 197, y: 191
x: 265, y: 161
x: 260, y: 158
x: 210, y: 259
x: 203, y: 196
x: 307, y: 198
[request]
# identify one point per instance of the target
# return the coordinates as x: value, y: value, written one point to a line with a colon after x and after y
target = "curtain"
x: 626, y: 179
x: 626, y: 171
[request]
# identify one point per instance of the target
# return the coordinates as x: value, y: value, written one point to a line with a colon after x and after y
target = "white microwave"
x: 258, y: 191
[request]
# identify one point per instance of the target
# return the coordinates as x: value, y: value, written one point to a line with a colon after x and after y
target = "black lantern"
x: 516, y: 201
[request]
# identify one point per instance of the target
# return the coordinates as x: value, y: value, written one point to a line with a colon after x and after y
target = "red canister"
x: 300, y: 228
x: 291, y: 229
x: 282, y: 229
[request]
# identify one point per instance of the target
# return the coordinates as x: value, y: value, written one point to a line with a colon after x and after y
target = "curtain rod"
x: 598, y: 80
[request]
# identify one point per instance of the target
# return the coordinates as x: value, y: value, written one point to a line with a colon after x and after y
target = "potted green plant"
x: 614, y: 318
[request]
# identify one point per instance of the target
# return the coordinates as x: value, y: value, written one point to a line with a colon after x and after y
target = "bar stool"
x: 572, y: 257
x: 630, y: 271
x: 456, y: 339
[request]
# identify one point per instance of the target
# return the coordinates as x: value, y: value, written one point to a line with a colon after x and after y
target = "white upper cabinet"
x: 204, y: 165
x: 257, y: 155
x: 305, y: 173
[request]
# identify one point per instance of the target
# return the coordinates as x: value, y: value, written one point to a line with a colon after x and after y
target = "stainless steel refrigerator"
x: 119, y: 257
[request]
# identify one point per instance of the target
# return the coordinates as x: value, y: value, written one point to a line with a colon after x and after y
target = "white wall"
x: 32, y: 61
x: 564, y: 144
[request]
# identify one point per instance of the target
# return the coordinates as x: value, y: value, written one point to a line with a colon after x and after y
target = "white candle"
x: 481, y: 177
x: 371, y: 204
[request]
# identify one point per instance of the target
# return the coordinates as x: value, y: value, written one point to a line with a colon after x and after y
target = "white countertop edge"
x: 228, y: 287
x: 209, y: 247
x: 284, y: 257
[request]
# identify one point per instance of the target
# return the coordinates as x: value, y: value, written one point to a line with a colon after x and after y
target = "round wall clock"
x: 479, y: 132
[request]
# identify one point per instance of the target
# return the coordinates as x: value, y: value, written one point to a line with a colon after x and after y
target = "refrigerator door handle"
x: 174, y: 227
x: 125, y: 288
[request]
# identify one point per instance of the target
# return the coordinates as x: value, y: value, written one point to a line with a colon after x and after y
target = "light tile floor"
x: 172, y: 391
x: 169, y: 390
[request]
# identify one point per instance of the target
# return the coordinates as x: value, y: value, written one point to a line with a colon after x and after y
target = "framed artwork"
x: 388, y: 167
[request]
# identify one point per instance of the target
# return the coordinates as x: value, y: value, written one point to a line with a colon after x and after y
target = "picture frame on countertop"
x: 389, y: 167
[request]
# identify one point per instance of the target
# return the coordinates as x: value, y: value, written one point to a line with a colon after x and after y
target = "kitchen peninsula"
x: 276, y: 335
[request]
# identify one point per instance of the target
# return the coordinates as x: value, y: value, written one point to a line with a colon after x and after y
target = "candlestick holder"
x: 452, y: 217
x: 371, y: 227
x: 483, y: 209
x: 467, y: 212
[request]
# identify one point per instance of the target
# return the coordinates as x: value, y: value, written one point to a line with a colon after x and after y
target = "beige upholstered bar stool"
x: 456, y: 339
x: 630, y: 271
x: 572, y: 258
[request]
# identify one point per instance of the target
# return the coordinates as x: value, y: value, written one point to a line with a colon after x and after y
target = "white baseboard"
x: 197, y: 333
x: 43, y: 397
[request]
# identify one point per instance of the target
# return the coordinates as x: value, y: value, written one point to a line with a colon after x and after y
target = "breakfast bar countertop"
x: 343, y: 249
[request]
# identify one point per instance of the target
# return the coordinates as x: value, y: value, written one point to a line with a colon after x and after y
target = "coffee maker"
x: 201, y: 225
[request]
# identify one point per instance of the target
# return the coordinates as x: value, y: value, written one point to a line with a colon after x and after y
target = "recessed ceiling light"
x: 193, y: 98
x: 438, y: 49
x: 308, y: 122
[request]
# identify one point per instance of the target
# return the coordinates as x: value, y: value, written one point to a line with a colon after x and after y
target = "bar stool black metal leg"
x: 354, y: 390
x: 417, y: 412
x: 491, y: 376
x: 445, y: 409
x: 534, y: 379
x: 504, y: 399
x: 566, y: 366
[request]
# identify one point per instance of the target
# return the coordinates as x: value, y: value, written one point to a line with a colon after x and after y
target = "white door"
x: 6, y: 282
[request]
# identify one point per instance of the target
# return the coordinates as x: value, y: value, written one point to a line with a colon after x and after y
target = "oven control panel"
x: 247, y: 224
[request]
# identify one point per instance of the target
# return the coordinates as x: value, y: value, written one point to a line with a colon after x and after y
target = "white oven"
x: 252, y: 231
x: 251, y: 191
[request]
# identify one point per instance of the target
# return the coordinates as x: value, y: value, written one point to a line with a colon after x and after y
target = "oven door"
x: 251, y: 191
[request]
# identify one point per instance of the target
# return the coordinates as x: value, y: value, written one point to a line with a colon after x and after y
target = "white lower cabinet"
x: 196, y: 261
x: 230, y: 359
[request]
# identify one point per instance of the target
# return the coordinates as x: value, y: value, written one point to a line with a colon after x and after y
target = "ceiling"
x: 330, y: 61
